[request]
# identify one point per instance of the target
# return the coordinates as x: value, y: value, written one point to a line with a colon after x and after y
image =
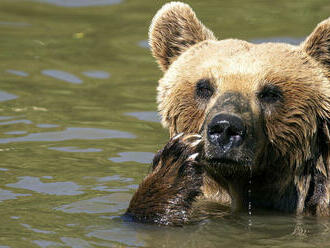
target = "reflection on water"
x: 144, y: 44
x: 14, y: 24
x: 6, y: 117
x: 47, y: 125
x: 145, y: 116
x: 70, y: 133
x: 18, y: 73
x: 77, y: 139
x: 122, y: 235
x: 15, y: 122
x: 97, y: 74
x: 75, y: 242
x: 8, y: 195
x: 74, y: 149
x: 57, y: 188
x: 140, y: 157
x: 16, y: 132
x: 37, y: 230
x: 114, y: 178
x: 45, y: 243
x: 4, y: 96
x: 62, y: 75
x: 106, y: 204
x: 80, y: 3
x: 289, y: 40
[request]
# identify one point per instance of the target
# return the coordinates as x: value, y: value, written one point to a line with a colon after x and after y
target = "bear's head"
x: 264, y: 107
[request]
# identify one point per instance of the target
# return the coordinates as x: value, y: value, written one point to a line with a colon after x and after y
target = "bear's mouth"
x: 228, y: 161
x: 239, y: 156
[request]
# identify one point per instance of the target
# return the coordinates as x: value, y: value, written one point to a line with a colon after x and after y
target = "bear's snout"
x: 229, y: 130
x: 226, y: 131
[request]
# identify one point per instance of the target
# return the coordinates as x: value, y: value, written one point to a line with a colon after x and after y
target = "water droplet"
x: 249, y: 199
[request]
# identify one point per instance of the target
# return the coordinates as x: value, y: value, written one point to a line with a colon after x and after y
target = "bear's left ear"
x: 317, y: 44
x: 175, y: 28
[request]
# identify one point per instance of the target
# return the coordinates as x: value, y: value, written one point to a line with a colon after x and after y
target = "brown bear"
x: 249, y: 123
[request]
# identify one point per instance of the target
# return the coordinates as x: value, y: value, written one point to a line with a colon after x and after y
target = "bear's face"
x: 253, y: 104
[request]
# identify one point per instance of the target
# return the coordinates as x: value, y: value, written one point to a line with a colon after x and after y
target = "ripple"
x: 132, y: 186
x: 4, y: 169
x: 62, y: 75
x: 114, y: 178
x: 75, y: 242
x: 47, y: 125
x: 289, y: 40
x: 124, y: 235
x: 17, y: 73
x: 56, y: 188
x: 47, y: 177
x: 104, y: 204
x: 46, y: 243
x: 36, y: 230
x: 16, y: 132
x: 8, y: 195
x: 15, y: 24
x: 145, y: 116
x: 81, y: 3
x: 74, y: 149
x: 107, y: 189
x: 140, y: 157
x: 6, y: 117
x: 4, y: 96
x: 16, y: 122
x: 71, y: 134
x: 97, y: 74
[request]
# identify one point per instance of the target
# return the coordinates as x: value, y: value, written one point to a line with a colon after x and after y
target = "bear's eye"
x: 270, y: 94
x: 204, y: 89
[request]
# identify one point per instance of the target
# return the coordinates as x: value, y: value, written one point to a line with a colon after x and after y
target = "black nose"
x: 226, y: 131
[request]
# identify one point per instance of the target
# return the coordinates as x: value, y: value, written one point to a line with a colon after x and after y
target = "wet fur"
x: 290, y: 139
x: 167, y: 193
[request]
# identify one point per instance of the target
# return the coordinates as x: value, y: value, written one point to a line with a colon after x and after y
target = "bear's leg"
x: 166, y: 195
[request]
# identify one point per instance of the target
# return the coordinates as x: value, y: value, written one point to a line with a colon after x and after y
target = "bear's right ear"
x: 317, y: 44
x: 175, y: 28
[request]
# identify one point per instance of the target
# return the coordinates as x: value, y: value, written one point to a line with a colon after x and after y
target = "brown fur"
x: 178, y: 35
x: 287, y: 145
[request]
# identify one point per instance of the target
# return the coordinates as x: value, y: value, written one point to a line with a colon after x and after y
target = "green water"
x: 78, y: 125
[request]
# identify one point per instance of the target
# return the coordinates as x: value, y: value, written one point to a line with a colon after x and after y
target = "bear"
x: 248, y: 123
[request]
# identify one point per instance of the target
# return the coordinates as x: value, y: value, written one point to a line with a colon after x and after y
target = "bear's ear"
x: 317, y: 44
x: 175, y: 28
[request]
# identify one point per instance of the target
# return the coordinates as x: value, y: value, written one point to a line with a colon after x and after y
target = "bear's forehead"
x: 226, y: 57
x: 235, y: 65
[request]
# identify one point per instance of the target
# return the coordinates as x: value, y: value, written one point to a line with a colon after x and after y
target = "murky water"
x: 78, y: 126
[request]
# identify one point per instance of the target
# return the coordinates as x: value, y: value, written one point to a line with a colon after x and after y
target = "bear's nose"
x: 226, y: 131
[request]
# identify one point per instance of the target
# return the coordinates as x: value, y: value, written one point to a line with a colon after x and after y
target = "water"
x: 249, y: 198
x: 78, y: 123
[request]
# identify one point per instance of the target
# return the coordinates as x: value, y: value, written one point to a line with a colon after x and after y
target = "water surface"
x: 79, y: 127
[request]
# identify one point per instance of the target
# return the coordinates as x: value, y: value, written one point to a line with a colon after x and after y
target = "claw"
x: 193, y: 156
x: 177, y: 136
x: 196, y: 136
x: 195, y: 143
